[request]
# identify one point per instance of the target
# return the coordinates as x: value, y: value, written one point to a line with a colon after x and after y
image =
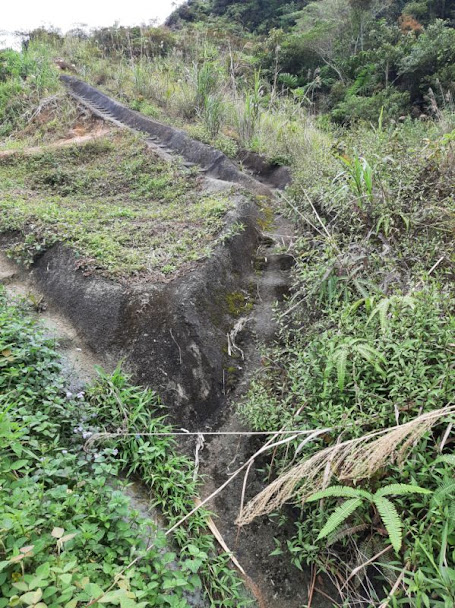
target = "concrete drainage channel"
x: 174, y: 336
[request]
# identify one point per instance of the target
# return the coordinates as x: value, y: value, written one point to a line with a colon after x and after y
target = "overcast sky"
x: 65, y: 14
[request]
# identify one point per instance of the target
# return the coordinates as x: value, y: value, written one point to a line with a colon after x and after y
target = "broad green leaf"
x: 93, y: 590
x: 66, y: 578
x: 32, y: 597
x: 43, y: 570
x: 21, y: 585
x: 19, y: 464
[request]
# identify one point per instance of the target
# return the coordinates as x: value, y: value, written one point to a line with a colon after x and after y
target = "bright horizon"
x: 30, y: 14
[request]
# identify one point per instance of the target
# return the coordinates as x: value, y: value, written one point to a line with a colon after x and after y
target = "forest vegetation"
x: 357, y: 97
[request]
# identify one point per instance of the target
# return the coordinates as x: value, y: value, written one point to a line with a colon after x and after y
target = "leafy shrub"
x: 356, y: 107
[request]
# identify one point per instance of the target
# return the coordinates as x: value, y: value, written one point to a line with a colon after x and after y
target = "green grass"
x: 366, y: 341
x: 122, y: 210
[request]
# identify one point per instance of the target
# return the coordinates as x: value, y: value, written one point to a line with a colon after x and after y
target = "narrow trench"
x: 277, y: 583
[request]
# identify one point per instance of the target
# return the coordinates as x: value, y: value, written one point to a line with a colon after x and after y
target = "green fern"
x: 401, y: 489
x: 382, y: 309
x: 391, y: 520
x: 341, y: 513
x: 341, y: 354
x: 445, y: 489
x: 386, y: 509
x: 339, y: 492
x: 448, y: 458
x: 341, y: 363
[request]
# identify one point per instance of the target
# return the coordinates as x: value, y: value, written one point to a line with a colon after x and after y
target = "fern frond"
x: 340, y: 514
x: 339, y: 492
x: 391, y: 520
x: 401, y: 489
x: 346, y: 531
x: 369, y: 353
x: 446, y: 488
x: 384, y: 305
x: 342, y: 360
x: 381, y: 310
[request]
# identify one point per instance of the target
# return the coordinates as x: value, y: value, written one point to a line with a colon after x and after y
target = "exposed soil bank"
x: 77, y: 359
x: 172, y: 336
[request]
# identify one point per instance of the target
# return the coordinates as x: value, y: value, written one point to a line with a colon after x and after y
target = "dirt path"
x: 279, y: 583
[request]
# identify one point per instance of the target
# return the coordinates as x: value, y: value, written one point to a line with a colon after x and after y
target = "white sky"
x: 65, y: 14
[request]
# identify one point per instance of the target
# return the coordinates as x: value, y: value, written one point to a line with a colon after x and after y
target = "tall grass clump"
x: 27, y: 80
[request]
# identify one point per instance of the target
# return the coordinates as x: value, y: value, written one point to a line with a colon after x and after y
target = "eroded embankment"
x: 172, y: 335
x: 193, y: 338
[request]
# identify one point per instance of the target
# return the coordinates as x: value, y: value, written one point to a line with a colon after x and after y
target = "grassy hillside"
x: 357, y: 98
x: 123, y: 210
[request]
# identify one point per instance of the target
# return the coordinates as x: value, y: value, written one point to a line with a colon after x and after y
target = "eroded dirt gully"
x: 195, y: 339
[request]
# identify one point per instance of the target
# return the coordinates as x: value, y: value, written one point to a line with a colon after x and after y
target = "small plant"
x: 212, y: 114
x: 360, y: 498
x: 339, y: 358
x: 249, y: 113
x: 360, y: 178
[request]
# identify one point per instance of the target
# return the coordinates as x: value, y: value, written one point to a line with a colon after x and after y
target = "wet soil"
x: 278, y: 583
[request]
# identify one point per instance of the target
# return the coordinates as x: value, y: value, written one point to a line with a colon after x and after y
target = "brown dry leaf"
x: 66, y: 538
x: 57, y: 532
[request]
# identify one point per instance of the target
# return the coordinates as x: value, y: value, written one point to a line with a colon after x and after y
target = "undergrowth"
x: 67, y: 530
x: 121, y: 209
x: 366, y: 343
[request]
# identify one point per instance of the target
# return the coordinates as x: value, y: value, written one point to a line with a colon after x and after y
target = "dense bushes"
x: 378, y: 54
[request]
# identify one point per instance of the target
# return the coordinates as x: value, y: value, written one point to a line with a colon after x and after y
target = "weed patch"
x: 365, y: 345
x: 67, y: 531
x: 121, y: 209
